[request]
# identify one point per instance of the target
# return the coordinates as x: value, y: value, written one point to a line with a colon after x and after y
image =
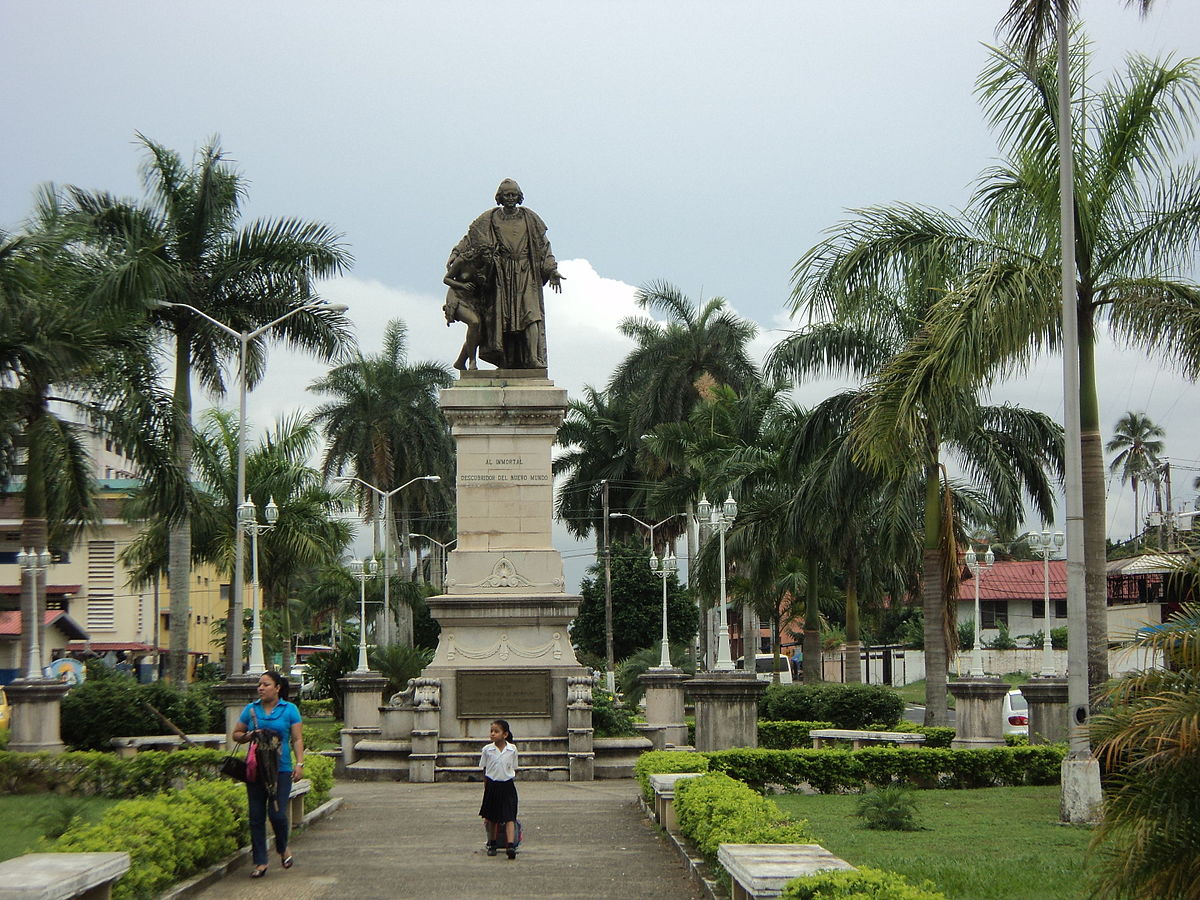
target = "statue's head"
x: 511, y: 191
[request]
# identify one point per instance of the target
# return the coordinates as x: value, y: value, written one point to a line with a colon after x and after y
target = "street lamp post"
x: 33, y: 564
x: 362, y: 569
x: 239, y: 548
x: 1045, y: 543
x: 977, y: 571
x: 445, y: 550
x: 385, y: 501
x: 721, y: 519
x: 248, y: 519
x: 662, y: 572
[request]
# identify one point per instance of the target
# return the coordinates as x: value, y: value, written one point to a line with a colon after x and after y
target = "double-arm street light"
x: 244, y: 338
x: 385, y: 498
x: 663, y: 570
x: 721, y: 518
x: 362, y: 569
x: 1046, y: 543
x: 247, y: 515
x: 445, y: 550
x: 977, y: 571
x: 34, y: 564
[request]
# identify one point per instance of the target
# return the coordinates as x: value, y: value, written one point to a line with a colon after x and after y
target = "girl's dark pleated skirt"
x: 499, y: 801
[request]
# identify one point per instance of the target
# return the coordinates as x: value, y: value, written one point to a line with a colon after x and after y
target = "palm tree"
x: 305, y: 537
x: 384, y: 426
x: 183, y: 245
x: 1000, y: 258
x: 1148, y: 844
x: 66, y: 359
x: 1136, y: 437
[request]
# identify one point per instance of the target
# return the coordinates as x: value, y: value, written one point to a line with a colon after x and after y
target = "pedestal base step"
x: 524, y: 773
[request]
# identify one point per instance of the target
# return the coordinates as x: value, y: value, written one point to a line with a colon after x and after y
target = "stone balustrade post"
x: 664, y: 707
x: 234, y: 693
x: 36, y: 715
x: 726, y: 709
x: 1048, y: 719
x: 978, y: 712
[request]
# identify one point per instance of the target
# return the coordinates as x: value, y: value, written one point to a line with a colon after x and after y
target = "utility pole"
x: 1169, y: 520
x: 610, y: 676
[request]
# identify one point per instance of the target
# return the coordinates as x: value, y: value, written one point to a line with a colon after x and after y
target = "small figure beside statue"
x: 496, y: 274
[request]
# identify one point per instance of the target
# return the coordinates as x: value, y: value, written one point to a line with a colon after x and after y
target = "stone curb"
x: 216, y: 872
x: 698, y: 869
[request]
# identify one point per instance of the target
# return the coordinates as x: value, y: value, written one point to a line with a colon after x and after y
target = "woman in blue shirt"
x: 272, y: 715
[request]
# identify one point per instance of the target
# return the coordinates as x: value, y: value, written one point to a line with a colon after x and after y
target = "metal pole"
x: 724, y: 658
x: 238, y: 588
x: 610, y: 676
x: 362, y: 622
x: 977, y: 647
x: 386, y: 637
x: 257, y: 664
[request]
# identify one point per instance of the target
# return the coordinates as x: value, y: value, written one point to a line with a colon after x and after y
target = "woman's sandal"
x: 259, y: 872
x: 286, y: 862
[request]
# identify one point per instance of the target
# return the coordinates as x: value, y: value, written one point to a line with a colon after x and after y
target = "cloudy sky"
x: 706, y: 144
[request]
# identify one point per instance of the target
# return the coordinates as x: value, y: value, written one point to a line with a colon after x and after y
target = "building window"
x: 1059, y: 607
x: 992, y: 612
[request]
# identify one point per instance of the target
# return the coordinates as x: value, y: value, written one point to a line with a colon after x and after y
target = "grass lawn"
x: 987, y: 844
x: 19, y: 814
x: 915, y: 693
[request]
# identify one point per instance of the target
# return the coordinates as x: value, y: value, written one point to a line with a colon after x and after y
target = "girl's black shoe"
x: 511, y: 851
x: 491, y: 848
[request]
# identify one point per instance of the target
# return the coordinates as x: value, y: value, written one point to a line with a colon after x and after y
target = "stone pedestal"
x: 36, y: 710
x: 581, y: 753
x: 1047, y: 699
x: 361, y: 695
x: 504, y: 650
x: 664, y: 707
x: 978, y: 710
x: 726, y: 709
x: 235, y: 692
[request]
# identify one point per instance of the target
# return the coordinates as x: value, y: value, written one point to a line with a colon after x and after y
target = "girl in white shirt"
x: 499, y: 808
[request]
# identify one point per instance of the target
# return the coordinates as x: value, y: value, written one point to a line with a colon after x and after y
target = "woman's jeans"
x: 261, y: 809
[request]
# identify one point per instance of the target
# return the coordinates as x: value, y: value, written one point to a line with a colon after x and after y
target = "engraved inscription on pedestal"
x: 504, y: 693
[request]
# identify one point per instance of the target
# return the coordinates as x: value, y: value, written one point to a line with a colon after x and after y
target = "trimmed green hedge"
x: 845, y: 705
x: 787, y: 735
x: 715, y: 809
x: 150, y: 772
x: 95, y: 712
x: 665, y: 762
x: 168, y: 837
x: 316, y: 709
x: 830, y: 771
x: 861, y: 884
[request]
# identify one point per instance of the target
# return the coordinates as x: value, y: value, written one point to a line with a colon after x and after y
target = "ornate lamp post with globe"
x: 363, y: 570
x: 721, y: 519
x: 977, y: 571
x: 247, y: 516
x: 1044, y: 544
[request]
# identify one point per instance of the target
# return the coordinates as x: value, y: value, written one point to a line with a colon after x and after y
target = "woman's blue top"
x: 280, y: 719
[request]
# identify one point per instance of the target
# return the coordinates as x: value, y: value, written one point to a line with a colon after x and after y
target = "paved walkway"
x: 396, y: 841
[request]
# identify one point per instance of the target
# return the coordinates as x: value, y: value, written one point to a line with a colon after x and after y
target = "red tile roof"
x: 1017, y: 580
x: 10, y: 622
x: 14, y: 590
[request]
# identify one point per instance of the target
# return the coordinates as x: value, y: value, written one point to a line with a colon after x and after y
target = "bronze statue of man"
x: 505, y: 310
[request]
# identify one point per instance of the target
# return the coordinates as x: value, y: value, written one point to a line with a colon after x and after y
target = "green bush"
x: 316, y: 709
x: 609, y: 719
x: 665, y: 762
x: 787, y: 735
x: 845, y: 705
x: 319, y: 770
x: 168, y: 836
x: 96, y: 711
x: 715, y: 809
x: 889, y: 808
x: 829, y: 771
x: 935, y: 735
x: 860, y: 884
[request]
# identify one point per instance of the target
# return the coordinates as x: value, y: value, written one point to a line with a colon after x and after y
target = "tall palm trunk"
x: 933, y: 602
x: 179, y: 540
x: 812, y: 626
x: 853, y: 652
x: 1094, y: 521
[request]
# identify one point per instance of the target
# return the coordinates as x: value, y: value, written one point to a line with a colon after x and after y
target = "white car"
x: 1016, y: 713
x: 763, y: 664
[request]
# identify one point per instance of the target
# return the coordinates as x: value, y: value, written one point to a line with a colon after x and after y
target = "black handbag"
x: 234, y: 766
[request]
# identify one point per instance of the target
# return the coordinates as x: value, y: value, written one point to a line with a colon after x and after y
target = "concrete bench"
x: 61, y: 876
x: 759, y: 871
x: 127, y: 747
x: 820, y: 735
x: 664, y: 797
x: 300, y: 790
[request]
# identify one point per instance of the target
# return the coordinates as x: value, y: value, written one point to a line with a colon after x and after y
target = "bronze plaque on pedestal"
x: 501, y: 693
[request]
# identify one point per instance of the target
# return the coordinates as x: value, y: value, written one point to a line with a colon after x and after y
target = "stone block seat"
x: 61, y: 876
x: 300, y: 790
x: 127, y: 747
x: 664, y: 797
x: 859, y: 738
x: 760, y: 871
